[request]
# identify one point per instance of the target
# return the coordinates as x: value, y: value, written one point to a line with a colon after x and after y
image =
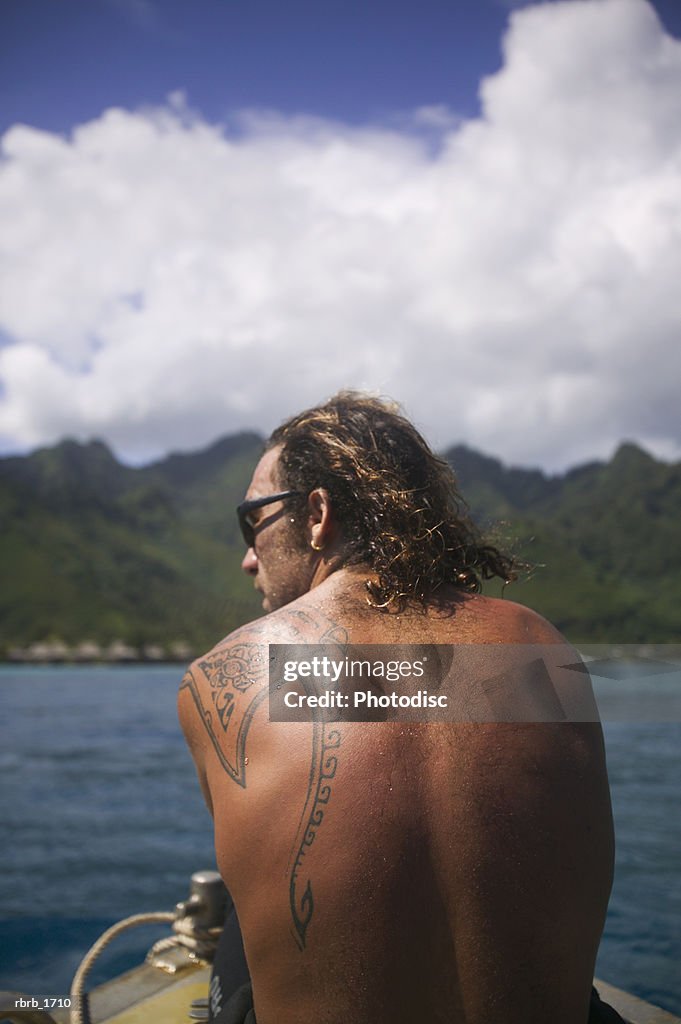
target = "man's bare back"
x: 442, y: 871
x: 397, y: 871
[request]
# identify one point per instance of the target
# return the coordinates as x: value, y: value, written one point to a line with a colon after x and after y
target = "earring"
x: 316, y: 547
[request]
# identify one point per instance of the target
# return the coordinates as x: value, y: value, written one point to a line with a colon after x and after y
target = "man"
x: 395, y: 871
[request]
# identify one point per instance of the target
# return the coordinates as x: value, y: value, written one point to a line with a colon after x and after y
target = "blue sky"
x: 353, y: 61
x: 64, y: 61
x: 218, y: 212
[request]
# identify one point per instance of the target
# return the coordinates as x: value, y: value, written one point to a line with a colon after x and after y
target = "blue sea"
x: 102, y: 817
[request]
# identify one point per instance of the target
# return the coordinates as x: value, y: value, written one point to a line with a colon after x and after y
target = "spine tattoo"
x: 322, y: 771
x: 323, y: 766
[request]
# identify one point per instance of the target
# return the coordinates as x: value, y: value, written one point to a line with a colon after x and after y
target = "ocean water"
x: 102, y: 817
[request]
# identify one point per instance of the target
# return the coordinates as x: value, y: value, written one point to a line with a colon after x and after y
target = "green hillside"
x: 95, y: 550
x: 604, y: 541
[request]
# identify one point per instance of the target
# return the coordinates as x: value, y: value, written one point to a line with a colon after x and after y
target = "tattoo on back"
x: 237, y: 671
x: 323, y: 767
x: 237, y: 688
x: 322, y: 771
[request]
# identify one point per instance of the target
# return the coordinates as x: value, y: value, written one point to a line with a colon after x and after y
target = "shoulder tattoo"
x: 237, y: 679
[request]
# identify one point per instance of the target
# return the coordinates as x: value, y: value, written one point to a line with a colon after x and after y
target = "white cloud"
x: 516, y: 286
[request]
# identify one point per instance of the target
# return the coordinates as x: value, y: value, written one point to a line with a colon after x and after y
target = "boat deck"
x: 147, y: 995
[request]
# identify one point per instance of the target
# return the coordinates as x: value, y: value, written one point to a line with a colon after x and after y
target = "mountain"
x: 603, y: 541
x: 96, y: 550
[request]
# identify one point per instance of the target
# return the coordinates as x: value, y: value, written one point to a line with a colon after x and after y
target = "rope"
x: 80, y: 1012
x: 200, y: 942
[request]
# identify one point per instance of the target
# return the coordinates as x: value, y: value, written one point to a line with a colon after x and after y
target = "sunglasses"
x: 246, y: 507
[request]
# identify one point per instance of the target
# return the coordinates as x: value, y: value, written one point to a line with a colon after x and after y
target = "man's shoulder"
x: 496, y: 620
x: 243, y: 652
x: 301, y: 621
x: 219, y: 696
x: 223, y: 689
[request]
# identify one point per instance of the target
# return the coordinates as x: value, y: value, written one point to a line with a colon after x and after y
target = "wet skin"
x: 392, y: 872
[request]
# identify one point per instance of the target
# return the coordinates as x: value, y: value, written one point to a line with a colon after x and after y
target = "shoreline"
x: 90, y: 652
x: 178, y: 652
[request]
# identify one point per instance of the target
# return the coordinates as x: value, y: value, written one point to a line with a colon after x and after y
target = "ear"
x: 321, y: 524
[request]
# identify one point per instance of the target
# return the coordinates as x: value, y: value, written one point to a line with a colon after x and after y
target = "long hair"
x: 397, y: 503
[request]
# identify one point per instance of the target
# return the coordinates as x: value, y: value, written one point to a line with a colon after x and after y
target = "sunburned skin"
x: 400, y: 872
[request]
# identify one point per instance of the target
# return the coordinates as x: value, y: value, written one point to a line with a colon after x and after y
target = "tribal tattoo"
x: 323, y: 766
x: 322, y: 771
x: 237, y: 688
x: 237, y: 672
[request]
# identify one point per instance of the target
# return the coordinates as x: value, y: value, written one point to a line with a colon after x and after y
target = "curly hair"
x: 396, y: 501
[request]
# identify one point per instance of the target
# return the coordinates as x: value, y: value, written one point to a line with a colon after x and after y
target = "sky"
x: 216, y: 214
